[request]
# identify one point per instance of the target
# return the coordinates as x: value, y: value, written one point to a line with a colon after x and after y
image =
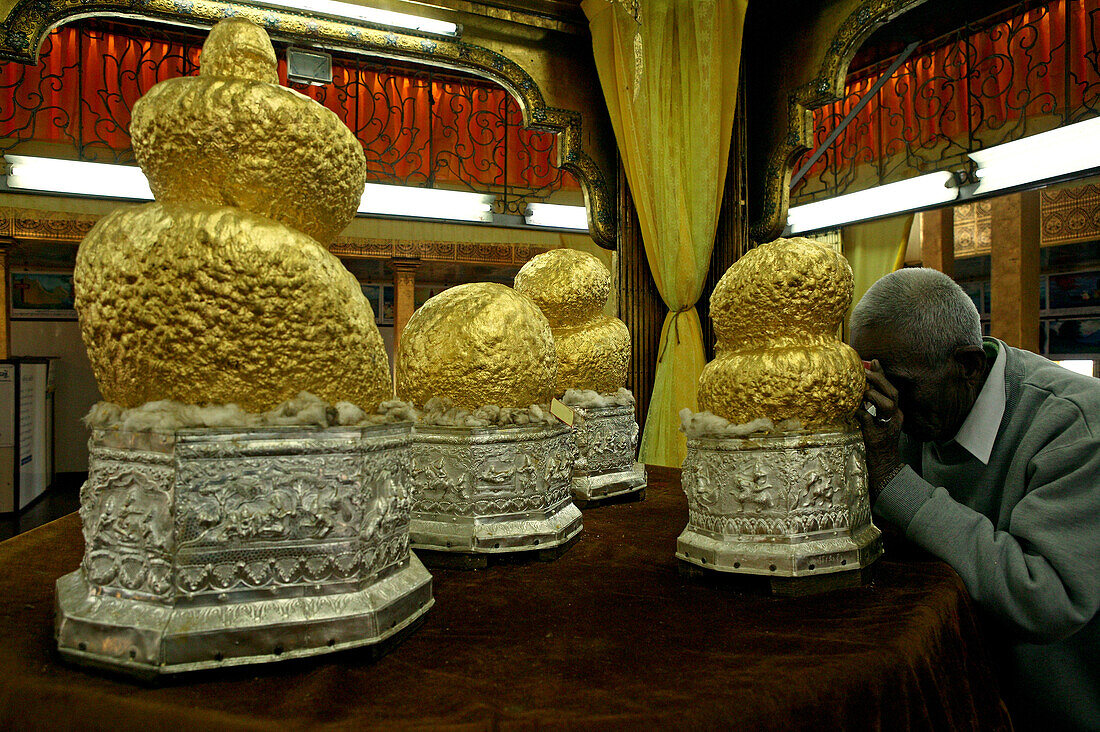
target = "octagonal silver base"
x: 785, y: 506
x: 207, y: 548
x: 607, y: 441
x: 492, y: 490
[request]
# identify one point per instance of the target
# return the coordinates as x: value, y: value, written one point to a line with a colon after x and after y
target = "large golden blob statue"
x: 220, y: 291
x: 477, y: 344
x: 571, y: 289
x: 776, y: 313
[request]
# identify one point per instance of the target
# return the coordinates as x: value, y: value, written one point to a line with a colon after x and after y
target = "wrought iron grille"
x: 418, y: 126
x: 1025, y: 71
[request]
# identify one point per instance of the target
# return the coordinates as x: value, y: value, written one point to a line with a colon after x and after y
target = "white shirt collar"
x: 979, y: 430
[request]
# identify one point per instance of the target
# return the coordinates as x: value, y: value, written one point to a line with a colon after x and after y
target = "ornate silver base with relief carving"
x: 607, y: 440
x: 787, y: 506
x: 493, y: 490
x: 207, y: 548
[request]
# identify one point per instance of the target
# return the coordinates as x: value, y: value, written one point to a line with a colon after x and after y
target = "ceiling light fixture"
x: 373, y: 16
x: 426, y: 203
x: 77, y: 177
x: 907, y: 195
x: 556, y: 216
x: 1047, y: 155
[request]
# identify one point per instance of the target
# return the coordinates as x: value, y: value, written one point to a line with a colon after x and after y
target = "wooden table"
x: 607, y: 635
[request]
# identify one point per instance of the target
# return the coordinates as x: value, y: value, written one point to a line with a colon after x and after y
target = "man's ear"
x: 971, y: 361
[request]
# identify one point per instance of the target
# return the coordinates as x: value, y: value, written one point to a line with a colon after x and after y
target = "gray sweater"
x: 1023, y: 532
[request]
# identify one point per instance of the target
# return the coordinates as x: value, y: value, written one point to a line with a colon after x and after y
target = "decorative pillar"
x: 404, y: 300
x: 6, y: 243
x: 937, y: 240
x: 1015, y: 262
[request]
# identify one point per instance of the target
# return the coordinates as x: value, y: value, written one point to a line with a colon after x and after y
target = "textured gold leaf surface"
x: 777, y: 312
x: 213, y: 304
x: 230, y: 137
x: 477, y: 344
x: 571, y: 288
x: 218, y: 292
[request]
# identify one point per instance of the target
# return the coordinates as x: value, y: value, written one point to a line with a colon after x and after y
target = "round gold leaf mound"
x: 569, y: 286
x: 593, y: 356
x: 820, y: 386
x: 231, y: 137
x: 789, y: 290
x: 216, y: 305
x: 777, y: 312
x: 477, y: 344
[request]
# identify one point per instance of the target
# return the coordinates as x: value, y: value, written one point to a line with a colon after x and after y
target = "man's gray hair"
x: 928, y: 313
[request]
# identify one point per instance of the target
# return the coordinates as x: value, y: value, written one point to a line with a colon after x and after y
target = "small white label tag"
x: 562, y: 412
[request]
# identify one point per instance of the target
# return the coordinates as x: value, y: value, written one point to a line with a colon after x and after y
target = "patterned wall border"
x: 1069, y: 215
x: 70, y: 228
x: 459, y: 252
x: 825, y: 88
x: 1066, y: 216
x: 29, y: 21
x: 55, y: 226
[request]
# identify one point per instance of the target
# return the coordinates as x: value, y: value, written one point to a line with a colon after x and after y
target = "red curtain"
x: 1015, y: 77
x: 415, y: 129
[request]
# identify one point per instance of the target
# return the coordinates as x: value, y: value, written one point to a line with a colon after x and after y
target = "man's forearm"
x: 1022, y: 588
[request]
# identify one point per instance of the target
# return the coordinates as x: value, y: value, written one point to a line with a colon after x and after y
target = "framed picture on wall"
x: 387, y: 305
x: 373, y: 293
x: 41, y: 295
x: 1072, y: 337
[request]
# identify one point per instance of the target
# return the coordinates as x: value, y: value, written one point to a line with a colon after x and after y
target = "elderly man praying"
x: 988, y: 457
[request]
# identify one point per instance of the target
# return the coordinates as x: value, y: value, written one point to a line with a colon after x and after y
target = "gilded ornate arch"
x: 827, y: 86
x: 25, y: 24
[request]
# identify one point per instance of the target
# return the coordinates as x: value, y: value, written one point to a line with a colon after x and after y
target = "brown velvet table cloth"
x: 607, y: 635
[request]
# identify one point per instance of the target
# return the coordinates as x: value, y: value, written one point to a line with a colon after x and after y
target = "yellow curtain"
x: 668, y: 69
x: 875, y: 249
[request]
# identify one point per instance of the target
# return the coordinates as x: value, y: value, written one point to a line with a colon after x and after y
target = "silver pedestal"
x: 492, y: 490
x: 786, y: 506
x: 207, y: 548
x: 607, y: 441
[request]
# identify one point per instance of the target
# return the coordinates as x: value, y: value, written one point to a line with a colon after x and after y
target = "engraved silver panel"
x: 788, y: 506
x: 209, y: 547
x: 492, y: 489
x: 607, y: 441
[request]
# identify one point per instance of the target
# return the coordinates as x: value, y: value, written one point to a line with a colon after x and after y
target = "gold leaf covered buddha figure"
x: 491, y: 467
x: 207, y: 316
x: 777, y: 313
x: 477, y: 344
x: 571, y: 288
x: 777, y: 484
x: 223, y: 290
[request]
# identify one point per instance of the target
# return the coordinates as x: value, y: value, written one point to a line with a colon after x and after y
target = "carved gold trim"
x: 1066, y: 216
x: 461, y: 252
x: 22, y: 33
x: 1069, y: 215
x: 33, y: 225
x: 973, y: 223
x: 70, y: 228
x: 825, y: 88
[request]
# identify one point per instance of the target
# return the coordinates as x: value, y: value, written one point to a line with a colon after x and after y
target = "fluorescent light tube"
x: 74, y: 176
x: 427, y: 203
x: 907, y: 195
x: 557, y: 216
x: 127, y: 181
x: 368, y: 15
x: 1039, y: 157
